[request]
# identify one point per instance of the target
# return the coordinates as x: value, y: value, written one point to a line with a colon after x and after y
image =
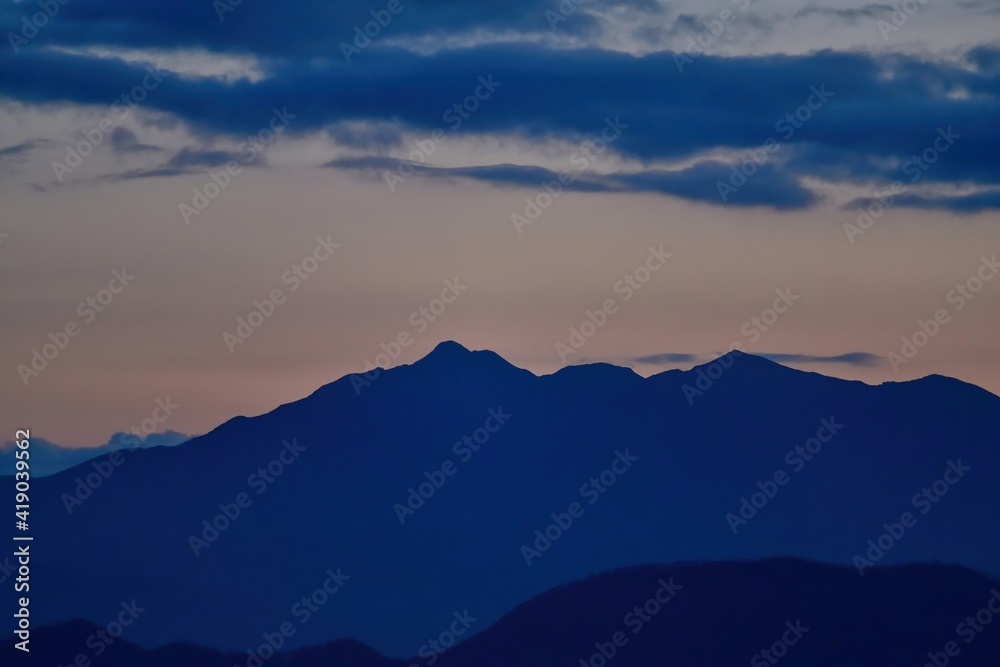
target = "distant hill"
x: 713, y: 615
x: 48, y: 458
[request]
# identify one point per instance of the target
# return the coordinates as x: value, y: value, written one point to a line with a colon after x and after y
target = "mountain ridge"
x: 365, y: 455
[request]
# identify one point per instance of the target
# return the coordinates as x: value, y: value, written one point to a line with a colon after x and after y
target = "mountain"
x: 703, y: 614
x: 48, y: 458
x: 529, y: 483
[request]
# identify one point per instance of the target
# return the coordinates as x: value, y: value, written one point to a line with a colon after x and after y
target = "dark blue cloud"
x: 733, y: 102
x: 124, y: 140
x: 499, y: 174
x: 848, y: 358
x: 882, y: 112
x: 22, y: 148
x: 293, y: 29
x: 768, y: 187
x: 964, y: 204
x: 188, y: 161
x: 667, y: 358
x: 852, y: 15
x: 987, y: 58
x: 706, y: 182
x: 191, y: 157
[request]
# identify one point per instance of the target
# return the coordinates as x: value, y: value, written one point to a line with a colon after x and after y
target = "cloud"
x: 967, y: 204
x: 850, y: 14
x: 124, y: 140
x: 882, y: 110
x: 193, y: 157
x: 985, y: 6
x: 849, y: 358
x: 666, y: 358
x: 772, y: 187
x: 189, y: 161
x: 296, y: 29
x: 986, y: 58
x: 22, y: 148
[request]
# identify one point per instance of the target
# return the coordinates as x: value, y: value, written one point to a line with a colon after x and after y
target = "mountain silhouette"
x: 48, y: 458
x: 712, y: 614
x: 462, y: 482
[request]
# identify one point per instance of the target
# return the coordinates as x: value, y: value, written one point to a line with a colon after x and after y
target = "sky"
x: 641, y: 183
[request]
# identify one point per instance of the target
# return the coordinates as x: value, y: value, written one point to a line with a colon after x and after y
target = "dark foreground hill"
x: 462, y: 482
x: 704, y: 615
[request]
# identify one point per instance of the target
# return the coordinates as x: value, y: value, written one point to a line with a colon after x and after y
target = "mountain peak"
x: 449, y: 356
x: 448, y: 349
x: 745, y: 361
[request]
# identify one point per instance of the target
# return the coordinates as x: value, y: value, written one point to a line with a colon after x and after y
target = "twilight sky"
x: 176, y: 162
